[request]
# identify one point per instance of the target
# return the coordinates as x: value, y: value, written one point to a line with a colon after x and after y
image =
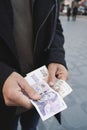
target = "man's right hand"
x: 15, y: 90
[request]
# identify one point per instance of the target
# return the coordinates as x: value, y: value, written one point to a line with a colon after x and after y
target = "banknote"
x: 34, y: 77
x: 50, y: 103
x: 41, y: 73
x: 61, y: 86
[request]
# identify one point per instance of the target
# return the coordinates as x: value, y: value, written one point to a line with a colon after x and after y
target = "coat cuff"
x: 5, y: 71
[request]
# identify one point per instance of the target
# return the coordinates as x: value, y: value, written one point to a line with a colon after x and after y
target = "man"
x: 68, y: 13
x: 29, y: 38
x: 74, y: 11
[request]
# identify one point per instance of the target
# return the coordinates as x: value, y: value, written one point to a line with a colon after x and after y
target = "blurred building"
x: 81, y: 4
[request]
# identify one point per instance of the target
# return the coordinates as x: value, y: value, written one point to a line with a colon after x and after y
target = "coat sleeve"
x: 56, y: 51
x: 8, y: 63
x: 5, y: 71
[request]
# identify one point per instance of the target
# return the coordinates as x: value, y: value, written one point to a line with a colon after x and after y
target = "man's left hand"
x: 56, y: 70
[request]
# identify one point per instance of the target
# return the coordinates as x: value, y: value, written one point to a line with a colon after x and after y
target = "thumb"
x: 29, y: 91
x: 51, y: 77
x: 32, y: 93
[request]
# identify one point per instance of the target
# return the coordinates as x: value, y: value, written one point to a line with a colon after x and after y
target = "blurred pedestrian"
x: 68, y: 13
x: 74, y: 12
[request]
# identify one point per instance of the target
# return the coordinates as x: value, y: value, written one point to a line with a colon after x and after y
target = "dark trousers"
x: 8, y: 120
x: 7, y: 115
x: 28, y: 120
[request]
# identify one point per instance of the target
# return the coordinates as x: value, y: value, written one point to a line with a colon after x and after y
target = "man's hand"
x: 16, y: 91
x: 58, y: 71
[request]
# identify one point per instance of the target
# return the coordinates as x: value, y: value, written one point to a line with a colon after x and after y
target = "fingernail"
x: 37, y: 96
x: 51, y: 83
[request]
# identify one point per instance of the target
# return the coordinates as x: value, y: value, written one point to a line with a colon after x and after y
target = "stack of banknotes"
x: 51, y: 101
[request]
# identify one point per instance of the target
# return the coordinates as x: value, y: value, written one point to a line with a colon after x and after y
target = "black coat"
x: 68, y: 11
x: 74, y: 11
x: 48, y: 37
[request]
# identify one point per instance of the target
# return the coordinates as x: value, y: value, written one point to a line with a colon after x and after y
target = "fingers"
x: 62, y: 73
x: 17, y: 92
x: 61, y: 76
x: 18, y: 99
x: 28, y: 90
x: 24, y: 85
x: 57, y: 70
x: 21, y: 100
x: 14, y: 96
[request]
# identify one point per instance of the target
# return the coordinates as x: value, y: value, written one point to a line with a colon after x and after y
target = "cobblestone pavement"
x: 75, y: 116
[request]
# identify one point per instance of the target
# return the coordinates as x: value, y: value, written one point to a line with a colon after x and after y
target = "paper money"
x: 61, y: 86
x: 40, y: 73
x: 50, y: 103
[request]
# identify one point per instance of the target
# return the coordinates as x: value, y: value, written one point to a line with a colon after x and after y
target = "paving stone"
x: 75, y: 117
